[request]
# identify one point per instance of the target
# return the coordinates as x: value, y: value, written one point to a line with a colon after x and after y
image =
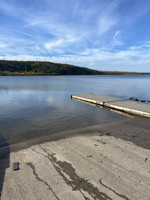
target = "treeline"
x: 49, y: 68
x: 42, y: 68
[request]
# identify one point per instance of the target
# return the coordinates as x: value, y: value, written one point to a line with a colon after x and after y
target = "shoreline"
x: 127, y: 129
x: 108, y: 161
x: 115, y: 74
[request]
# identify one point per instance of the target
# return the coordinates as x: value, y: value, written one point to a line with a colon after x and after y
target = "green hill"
x: 42, y: 68
x: 48, y: 68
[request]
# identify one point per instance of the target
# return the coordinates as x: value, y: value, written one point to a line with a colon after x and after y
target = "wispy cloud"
x: 132, y: 59
x: 6, y: 8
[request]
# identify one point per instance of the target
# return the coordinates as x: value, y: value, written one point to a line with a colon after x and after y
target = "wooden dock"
x: 118, y: 104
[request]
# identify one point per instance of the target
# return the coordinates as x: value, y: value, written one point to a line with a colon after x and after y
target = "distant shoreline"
x: 106, y: 73
x: 35, y: 68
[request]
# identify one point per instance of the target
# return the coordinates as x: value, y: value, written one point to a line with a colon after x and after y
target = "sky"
x: 110, y: 35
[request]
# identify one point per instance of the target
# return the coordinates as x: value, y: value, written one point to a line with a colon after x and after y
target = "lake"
x: 38, y: 106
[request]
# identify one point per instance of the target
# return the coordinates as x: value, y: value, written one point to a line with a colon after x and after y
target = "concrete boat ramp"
x: 117, y: 104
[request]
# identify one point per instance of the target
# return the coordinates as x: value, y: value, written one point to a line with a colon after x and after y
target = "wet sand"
x: 109, y: 161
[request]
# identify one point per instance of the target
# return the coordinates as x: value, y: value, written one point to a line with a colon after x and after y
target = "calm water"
x: 32, y: 107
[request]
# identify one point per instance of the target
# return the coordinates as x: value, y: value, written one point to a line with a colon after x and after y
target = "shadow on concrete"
x: 4, y: 160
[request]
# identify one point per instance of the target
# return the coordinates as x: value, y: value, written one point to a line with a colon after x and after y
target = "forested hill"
x: 48, y: 68
x: 42, y: 68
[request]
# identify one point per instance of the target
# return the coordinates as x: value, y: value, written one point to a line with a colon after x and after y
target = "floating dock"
x: 118, y: 104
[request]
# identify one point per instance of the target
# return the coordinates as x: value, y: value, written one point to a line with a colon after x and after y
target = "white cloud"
x: 63, y: 44
x: 125, y: 60
x: 105, y: 24
x: 116, y: 35
x: 25, y: 58
x: 116, y: 41
x: 12, y: 8
x: 107, y: 17
x: 3, y: 45
x: 6, y: 7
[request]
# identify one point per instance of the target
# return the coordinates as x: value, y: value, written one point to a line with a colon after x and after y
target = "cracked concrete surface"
x: 76, y: 182
x: 62, y: 170
x: 39, y: 179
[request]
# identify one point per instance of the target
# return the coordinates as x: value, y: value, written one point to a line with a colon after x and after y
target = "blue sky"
x: 111, y: 35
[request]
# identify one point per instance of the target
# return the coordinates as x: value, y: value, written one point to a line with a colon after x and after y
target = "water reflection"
x: 37, y: 106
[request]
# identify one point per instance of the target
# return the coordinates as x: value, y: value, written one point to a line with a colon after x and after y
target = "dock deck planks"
x: 128, y: 106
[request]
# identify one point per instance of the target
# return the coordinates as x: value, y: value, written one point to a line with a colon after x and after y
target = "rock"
x: 101, y: 141
x: 142, y: 100
x: 133, y: 99
x: 16, y: 166
x: 89, y: 156
x: 146, y: 159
